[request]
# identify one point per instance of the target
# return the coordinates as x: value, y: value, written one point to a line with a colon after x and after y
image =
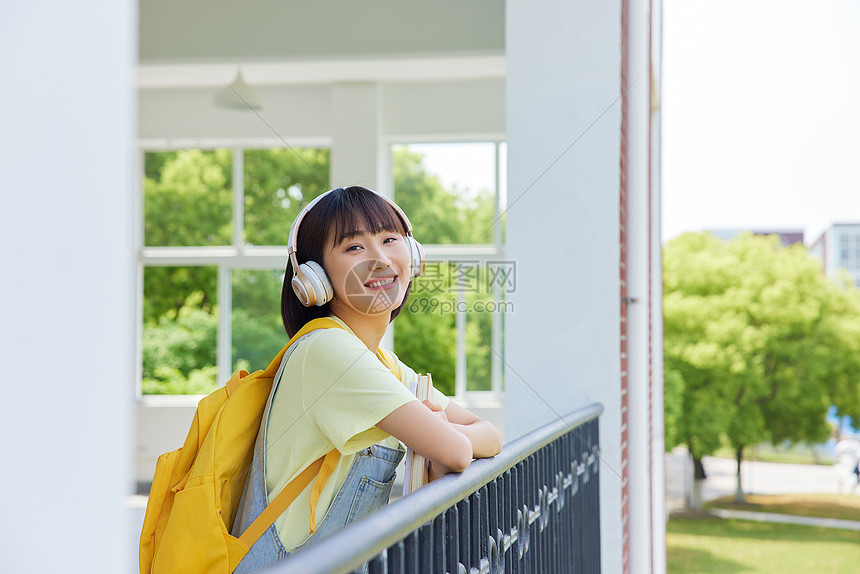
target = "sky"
x: 761, y: 115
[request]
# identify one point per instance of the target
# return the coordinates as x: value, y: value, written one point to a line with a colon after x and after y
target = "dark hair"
x: 337, y: 216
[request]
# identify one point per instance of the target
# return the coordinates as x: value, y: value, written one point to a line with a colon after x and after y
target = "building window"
x: 453, y: 324
x: 215, y: 224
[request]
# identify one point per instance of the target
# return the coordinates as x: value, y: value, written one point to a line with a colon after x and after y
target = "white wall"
x: 563, y: 132
x: 67, y: 327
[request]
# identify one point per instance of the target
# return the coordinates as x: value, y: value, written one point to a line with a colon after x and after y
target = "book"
x: 417, y: 472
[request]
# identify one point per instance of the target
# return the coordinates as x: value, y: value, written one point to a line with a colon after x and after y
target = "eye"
x: 392, y: 238
x: 353, y: 248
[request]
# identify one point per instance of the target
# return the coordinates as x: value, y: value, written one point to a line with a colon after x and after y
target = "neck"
x: 368, y: 328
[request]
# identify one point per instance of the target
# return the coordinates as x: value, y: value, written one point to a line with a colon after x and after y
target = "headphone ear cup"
x: 416, y: 253
x: 311, y: 285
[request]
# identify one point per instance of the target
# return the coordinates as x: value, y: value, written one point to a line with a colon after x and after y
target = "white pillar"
x: 639, y: 312
x: 67, y: 326
x: 563, y: 123
x: 659, y: 516
x: 355, y: 120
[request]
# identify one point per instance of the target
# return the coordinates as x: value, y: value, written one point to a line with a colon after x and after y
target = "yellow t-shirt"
x: 332, y: 394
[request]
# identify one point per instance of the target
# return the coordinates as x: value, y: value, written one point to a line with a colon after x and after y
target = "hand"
x: 436, y: 408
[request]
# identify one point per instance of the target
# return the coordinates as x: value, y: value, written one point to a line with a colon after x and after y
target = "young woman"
x: 342, y: 397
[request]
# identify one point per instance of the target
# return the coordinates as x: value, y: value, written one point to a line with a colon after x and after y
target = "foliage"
x: 167, y: 381
x: 189, y: 202
x: 757, y: 343
x: 258, y: 333
x: 427, y: 343
x: 179, y: 351
x: 278, y: 184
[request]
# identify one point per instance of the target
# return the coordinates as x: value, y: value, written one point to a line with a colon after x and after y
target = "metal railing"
x: 534, y: 508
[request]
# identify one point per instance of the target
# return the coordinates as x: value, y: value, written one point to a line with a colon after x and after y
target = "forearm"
x: 484, y: 436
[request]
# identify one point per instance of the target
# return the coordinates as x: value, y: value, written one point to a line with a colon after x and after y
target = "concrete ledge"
x: 787, y: 519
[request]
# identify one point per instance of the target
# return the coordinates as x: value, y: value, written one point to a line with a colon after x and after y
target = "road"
x: 756, y: 478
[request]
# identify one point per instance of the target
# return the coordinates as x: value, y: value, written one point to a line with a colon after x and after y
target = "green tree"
x: 278, y: 184
x: 179, y: 350
x: 749, y: 329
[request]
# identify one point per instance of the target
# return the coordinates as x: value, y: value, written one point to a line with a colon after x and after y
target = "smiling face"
x: 349, y: 214
x: 368, y: 271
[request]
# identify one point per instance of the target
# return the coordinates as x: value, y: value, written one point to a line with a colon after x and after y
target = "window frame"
x: 225, y: 259
x: 482, y: 253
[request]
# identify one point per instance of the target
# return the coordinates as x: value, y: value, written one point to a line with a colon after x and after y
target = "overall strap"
x: 283, y: 500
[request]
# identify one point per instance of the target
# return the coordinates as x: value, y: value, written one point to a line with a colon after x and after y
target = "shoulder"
x: 404, y: 372
x: 335, y: 354
x: 329, y: 341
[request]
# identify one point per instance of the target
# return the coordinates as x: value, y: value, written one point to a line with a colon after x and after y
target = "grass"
x: 837, y: 506
x: 714, y: 546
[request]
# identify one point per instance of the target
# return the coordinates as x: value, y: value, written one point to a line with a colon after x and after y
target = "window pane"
x: 179, y: 330
x: 188, y: 198
x: 278, y: 183
x: 447, y: 190
x: 425, y: 335
x: 480, y: 308
x: 258, y: 333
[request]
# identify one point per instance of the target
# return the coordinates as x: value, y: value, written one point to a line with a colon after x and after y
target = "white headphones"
x: 310, y: 282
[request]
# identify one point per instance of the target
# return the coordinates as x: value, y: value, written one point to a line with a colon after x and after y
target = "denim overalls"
x: 366, y: 488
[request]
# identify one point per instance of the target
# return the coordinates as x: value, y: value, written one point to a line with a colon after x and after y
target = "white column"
x: 563, y: 124
x: 355, y: 120
x: 639, y: 312
x: 67, y: 327
x: 659, y: 516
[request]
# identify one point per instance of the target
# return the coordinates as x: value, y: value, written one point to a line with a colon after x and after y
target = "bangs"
x: 355, y: 210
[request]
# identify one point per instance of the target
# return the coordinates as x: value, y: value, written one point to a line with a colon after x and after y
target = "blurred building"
x: 838, y: 247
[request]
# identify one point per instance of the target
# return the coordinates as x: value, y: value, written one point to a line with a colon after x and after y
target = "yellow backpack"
x: 196, y: 489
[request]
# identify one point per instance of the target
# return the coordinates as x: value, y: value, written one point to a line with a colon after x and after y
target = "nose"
x: 380, y: 259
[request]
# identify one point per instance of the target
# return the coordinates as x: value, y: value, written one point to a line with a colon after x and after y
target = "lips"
x: 382, y: 282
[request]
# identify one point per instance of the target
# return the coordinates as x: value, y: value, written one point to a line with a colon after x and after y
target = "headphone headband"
x: 294, y: 228
x: 302, y: 285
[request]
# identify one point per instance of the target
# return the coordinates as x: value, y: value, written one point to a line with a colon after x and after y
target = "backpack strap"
x: 283, y: 500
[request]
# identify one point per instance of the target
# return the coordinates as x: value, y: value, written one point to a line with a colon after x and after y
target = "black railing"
x: 534, y: 508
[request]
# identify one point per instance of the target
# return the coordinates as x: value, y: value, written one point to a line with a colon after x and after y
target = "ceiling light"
x: 237, y: 95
